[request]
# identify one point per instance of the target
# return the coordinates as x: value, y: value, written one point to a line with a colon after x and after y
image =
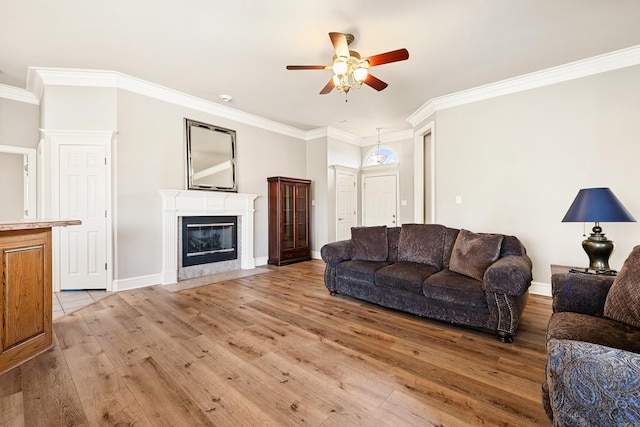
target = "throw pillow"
x: 369, y: 243
x: 473, y: 253
x: 422, y: 243
x: 623, y: 300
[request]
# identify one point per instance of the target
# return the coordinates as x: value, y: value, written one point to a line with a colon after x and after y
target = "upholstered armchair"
x: 593, y: 349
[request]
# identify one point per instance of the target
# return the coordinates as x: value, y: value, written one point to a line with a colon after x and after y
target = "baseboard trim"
x: 539, y: 288
x: 136, y: 282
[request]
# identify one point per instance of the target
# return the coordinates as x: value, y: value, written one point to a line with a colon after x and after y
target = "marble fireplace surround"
x: 178, y: 203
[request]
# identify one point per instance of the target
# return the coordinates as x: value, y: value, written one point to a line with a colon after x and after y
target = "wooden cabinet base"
x: 25, y: 295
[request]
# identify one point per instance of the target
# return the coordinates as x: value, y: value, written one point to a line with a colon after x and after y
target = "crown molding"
x: 574, y: 70
x: 343, y: 136
x: 40, y: 77
x: 340, y: 135
x: 331, y: 132
x: 17, y: 94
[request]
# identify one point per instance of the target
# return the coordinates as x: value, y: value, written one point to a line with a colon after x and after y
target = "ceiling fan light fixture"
x: 349, y: 69
x: 340, y: 66
x: 360, y: 74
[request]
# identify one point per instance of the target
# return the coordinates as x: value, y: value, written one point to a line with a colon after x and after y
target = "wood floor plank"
x: 12, y: 410
x: 274, y: 349
x: 101, y: 389
x: 47, y: 384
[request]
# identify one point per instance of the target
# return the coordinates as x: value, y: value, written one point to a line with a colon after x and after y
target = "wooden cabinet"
x: 289, y: 224
x: 25, y: 290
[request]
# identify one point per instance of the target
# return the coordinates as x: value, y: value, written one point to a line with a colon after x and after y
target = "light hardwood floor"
x: 274, y: 349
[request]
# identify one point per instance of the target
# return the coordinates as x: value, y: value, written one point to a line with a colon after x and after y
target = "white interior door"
x: 346, y: 202
x: 380, y: 200
x: 83, y: 248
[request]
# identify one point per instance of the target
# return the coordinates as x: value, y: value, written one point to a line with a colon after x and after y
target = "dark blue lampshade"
x: 597, y: 205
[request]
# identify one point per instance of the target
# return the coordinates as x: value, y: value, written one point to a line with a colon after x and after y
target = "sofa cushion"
x: 623, y: 299
x: 450, y: 236
x: 405, y: 275
x: 393, y: 236
x: 451, y: 287
x: 369, y: 243
x: 361, y: 271
x: 422, y: 243
x: 473, y: 253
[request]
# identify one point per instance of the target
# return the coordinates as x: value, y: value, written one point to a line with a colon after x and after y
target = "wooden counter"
x: 25, y: 289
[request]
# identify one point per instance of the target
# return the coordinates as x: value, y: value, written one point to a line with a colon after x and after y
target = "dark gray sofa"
x: 447, y: 274
x: 593, y: 348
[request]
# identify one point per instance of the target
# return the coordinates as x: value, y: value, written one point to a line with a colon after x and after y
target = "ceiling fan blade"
x: 328, y: 88
x: 340, y: 44
x: 375, y: 82
x: 306, y: 67
x: 387, y: 57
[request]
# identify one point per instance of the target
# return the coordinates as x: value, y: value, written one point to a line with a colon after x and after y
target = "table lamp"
x: 597, y: 205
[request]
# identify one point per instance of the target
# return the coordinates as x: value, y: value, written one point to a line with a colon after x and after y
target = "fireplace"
x: 208, y: 239
x: 177, y: 204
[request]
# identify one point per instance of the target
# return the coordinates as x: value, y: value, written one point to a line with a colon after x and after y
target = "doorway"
x: 83, y: 248
x: 18, y: 166
x: 380, y: 200
x: 346, y: 202
x: 75, y: 182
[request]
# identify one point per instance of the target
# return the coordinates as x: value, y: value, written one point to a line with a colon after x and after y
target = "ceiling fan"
x: 350, y: 70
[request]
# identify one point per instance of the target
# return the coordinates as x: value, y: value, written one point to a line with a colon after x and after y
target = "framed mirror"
x: 211, y: 157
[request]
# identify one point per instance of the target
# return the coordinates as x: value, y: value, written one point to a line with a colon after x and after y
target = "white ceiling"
x: 210, y: 47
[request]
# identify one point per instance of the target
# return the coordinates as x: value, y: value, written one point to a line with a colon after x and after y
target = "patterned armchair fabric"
x: 485, y: 286
x: 593, y: 362
x: 593, y: 385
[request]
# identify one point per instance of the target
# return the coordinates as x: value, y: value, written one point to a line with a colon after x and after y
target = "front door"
x: 83, y: 248
x: 380, y: 200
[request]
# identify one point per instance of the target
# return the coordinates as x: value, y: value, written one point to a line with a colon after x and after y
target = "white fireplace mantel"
x: 177, y: 203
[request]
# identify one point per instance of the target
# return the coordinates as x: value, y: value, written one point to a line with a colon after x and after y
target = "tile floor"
x: 66, y: 302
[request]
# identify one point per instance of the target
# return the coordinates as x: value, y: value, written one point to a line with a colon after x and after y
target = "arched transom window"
x: 381, y: 155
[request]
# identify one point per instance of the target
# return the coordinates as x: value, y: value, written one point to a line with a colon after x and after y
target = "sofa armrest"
x: 591, y: 384
x: 336, y: 252
x: 580, y: 293
x: 509, y: 275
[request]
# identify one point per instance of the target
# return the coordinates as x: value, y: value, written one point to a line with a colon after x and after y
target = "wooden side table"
x: 561, y: 269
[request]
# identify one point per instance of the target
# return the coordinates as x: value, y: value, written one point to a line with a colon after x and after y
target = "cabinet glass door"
x: 288, y: 228
x: 301, y: 206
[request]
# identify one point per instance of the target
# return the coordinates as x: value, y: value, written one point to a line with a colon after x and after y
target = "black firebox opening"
x: 207, y: 239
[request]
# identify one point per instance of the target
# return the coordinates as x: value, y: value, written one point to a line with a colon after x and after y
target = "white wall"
x: 519, y: 160
x: 316, y: 162
x: 19, y: 123
x: 18, y: 128
x: 11, y: 208
x: 78, y: 108
x: 151, y: 156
